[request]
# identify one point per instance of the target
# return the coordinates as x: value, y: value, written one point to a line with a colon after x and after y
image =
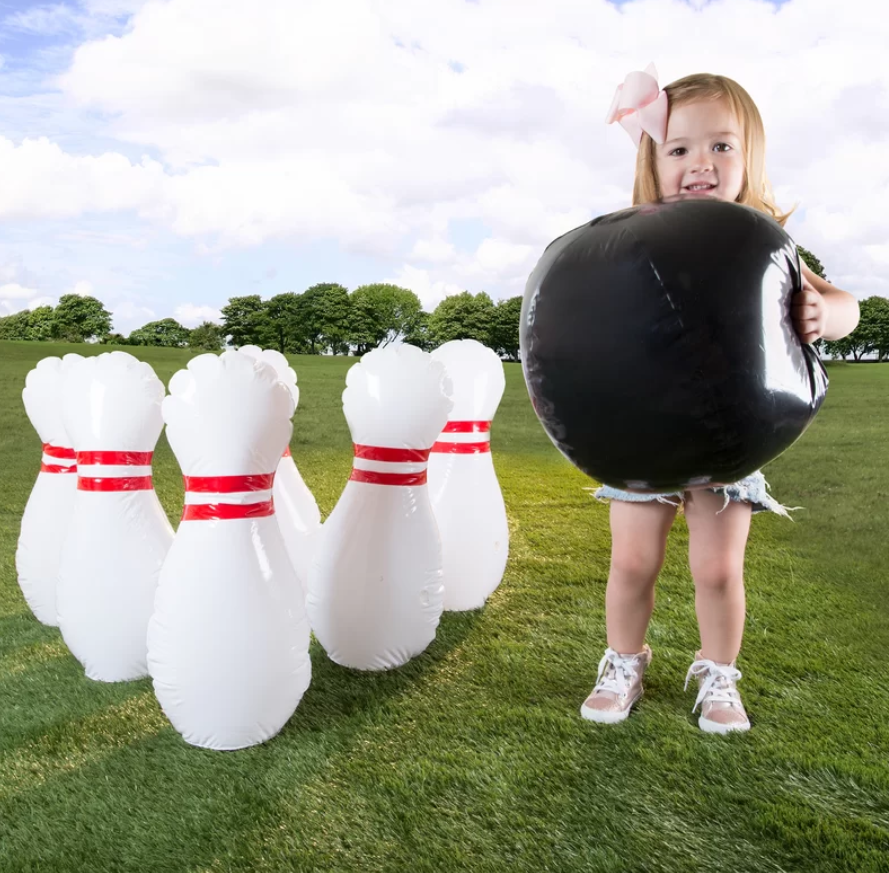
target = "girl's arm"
x: 831, y: 313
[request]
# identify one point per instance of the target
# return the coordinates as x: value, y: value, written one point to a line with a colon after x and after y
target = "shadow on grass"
x: 51, y: 700
x: 156, y: 803
x: 41, y: 696
x: 339, y: 693
x: 22, y: 630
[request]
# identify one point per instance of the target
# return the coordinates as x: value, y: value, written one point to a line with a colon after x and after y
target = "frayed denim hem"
x: 752, y: 489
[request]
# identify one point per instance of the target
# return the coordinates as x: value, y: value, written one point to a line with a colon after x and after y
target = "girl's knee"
x: 639, y: 565
x: 639, y: 539
x: 717, y: 575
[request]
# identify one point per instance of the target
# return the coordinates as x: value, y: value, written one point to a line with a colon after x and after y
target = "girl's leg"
x: 639, y: 534
x: 638, y: 546
x: 717, y: 545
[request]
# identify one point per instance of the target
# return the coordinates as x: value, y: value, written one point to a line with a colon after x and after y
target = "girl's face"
x: 703, y: 147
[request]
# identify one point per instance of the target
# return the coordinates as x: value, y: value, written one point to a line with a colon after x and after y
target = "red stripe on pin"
x: 123, y: 459
x: 372, y: 477
x: 287, y: 452
x: 229, y: 484
x: 227, y: 511
x: 391, y: 456
x: 57, y: 468
x: 113, y: 483
x: 59, y: 452
x: 461, y: 448
x: 467, y: 427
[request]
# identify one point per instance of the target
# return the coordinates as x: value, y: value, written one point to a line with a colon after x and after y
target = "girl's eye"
x: 682, y: 148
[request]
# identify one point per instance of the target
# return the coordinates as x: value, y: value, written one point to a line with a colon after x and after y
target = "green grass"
x: 474, y: 757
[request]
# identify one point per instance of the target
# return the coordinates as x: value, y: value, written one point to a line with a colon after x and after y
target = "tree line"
x: 329, y: 319
x: 324, y: 319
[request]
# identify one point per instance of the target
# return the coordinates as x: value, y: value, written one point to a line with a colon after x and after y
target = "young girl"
x: 700, y: 136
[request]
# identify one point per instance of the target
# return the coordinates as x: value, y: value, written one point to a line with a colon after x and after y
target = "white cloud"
x: 434, y: 251
x: 191, y: 315
x: 128, y: 315
x: 112, y: 8
x: 879, y: 253
x: 48, y: 20
x: 14, y: 291
x: 430, y: 291
x: 350, y: 121
x: 39, y: 180
x: 498, y: 266
x: 111, y: 238
x: 15, y: 298
x: 129, y: 310
x: 83, y: 288
x: 8, y: 272
x: 34, y: 302
x: 496, y: 255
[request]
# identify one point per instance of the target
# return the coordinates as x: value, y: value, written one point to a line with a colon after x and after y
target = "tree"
x: 337, y: 309
x: 840, y: 348
x: 35, y: 324
x: 381, y: 314
x: 284, y: 326
x: 115, y: 339
x: 462, y: 316
x: 245, y: 320
x: 876, y: 311
x: 207, y: 336
x: 505, y: 328
x: 323, y: 312
x: 166, y: 332
x: 40, y: 323
x: 80, y: 319
x: 418, y: 335
x: 15, y: 326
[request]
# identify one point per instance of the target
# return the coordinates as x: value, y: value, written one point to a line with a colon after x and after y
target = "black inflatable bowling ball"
x: 658, y: 348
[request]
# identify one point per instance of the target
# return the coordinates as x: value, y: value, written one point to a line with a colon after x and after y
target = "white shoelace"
x: 719, y: 685
x: 622, y: 673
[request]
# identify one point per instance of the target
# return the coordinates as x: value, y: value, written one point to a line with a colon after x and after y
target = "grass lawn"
x: 474, y: 756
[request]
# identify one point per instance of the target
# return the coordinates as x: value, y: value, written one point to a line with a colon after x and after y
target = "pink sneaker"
x: 720, y: 702
x: 618, y: 686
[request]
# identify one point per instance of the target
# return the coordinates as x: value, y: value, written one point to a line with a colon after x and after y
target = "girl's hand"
x: 808, y: 311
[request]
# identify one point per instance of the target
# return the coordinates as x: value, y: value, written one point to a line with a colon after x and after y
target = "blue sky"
x: 165, y: 156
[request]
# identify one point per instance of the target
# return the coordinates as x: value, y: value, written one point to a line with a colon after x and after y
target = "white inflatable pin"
x: 48, y: 511
x: 119, y: 534
x: 228, y: 643
x: 375, y: 586
x: 463, y: 486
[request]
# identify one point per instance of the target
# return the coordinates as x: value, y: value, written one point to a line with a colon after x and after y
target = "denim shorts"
x: 752, y: 489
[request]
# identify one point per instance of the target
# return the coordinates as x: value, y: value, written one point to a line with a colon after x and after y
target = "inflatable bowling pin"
x: 375, y: 586
x: 119, y: 534
x: 228, y: 644
x: 295, y: 506
x: 48, y: 511
x: 463, y: 486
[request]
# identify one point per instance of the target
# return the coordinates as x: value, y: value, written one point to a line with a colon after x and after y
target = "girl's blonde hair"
x: 757, y: 190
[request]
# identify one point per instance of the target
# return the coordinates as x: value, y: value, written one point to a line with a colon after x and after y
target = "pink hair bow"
x: 639, y: 105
